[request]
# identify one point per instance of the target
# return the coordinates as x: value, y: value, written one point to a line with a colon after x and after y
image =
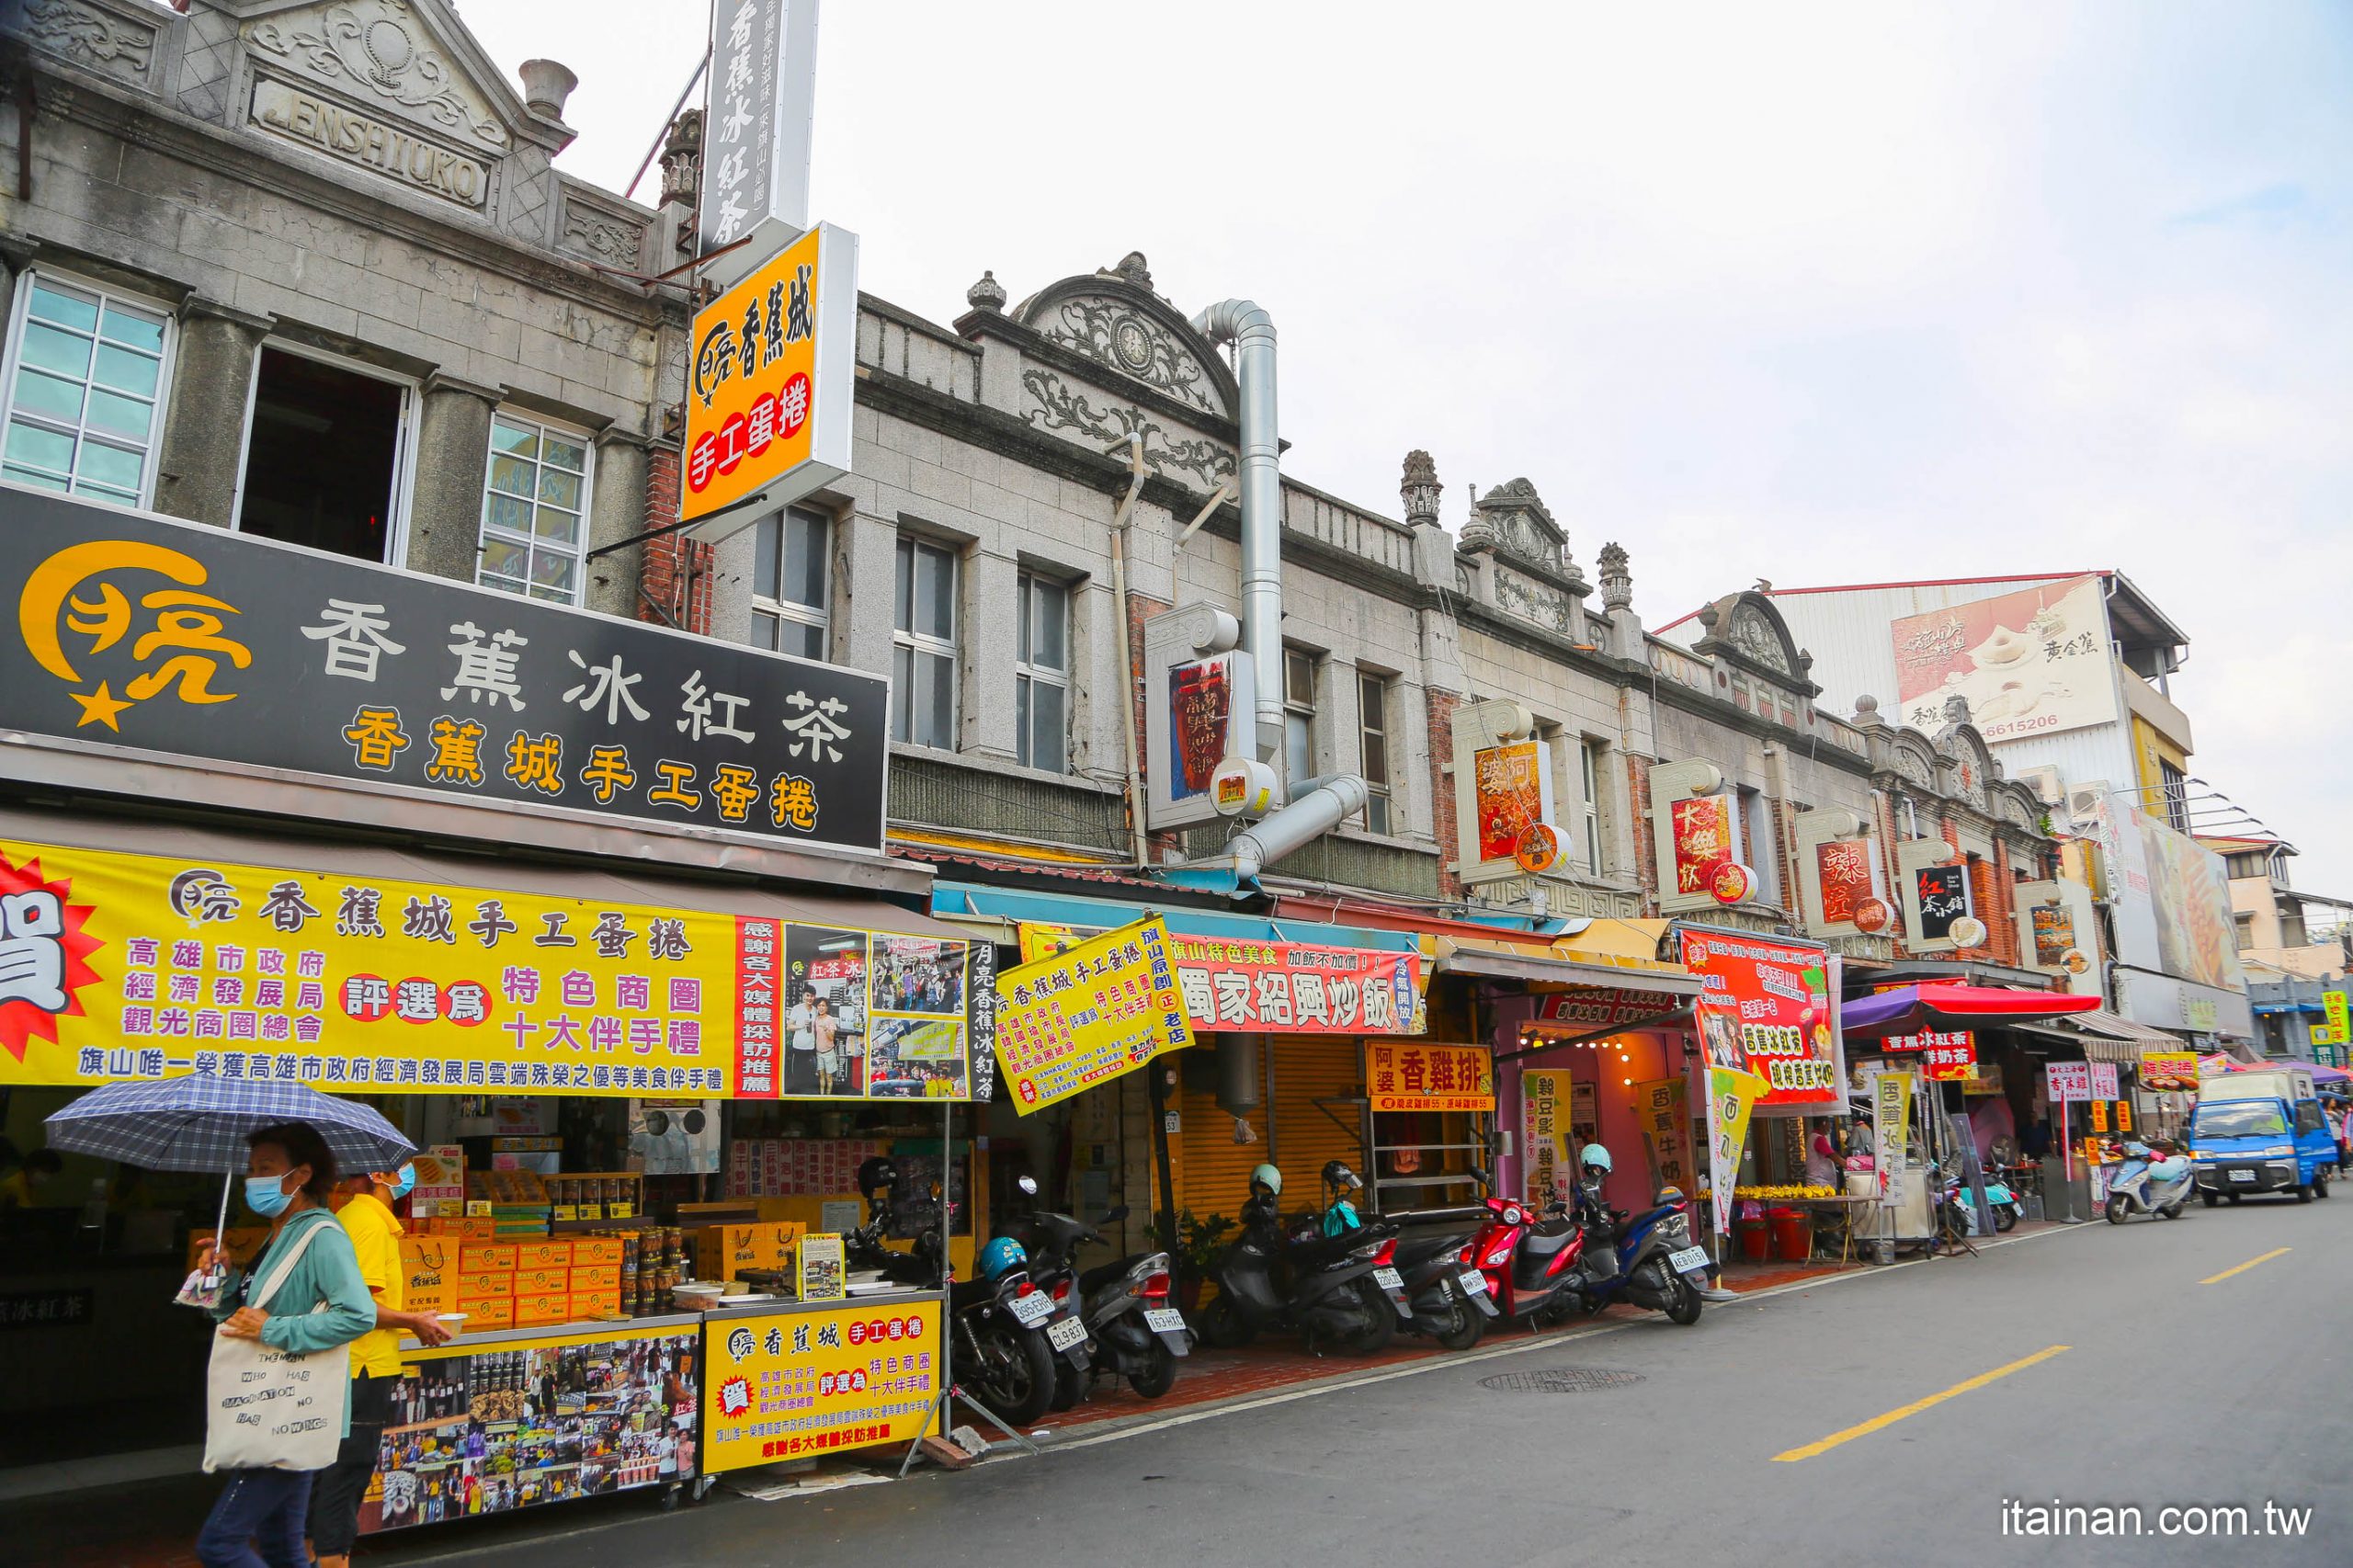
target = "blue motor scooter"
x: 1647, y: 1259
x: 2147, y: 1182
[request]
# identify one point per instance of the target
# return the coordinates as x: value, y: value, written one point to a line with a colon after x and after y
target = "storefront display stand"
x: 491, y: 1338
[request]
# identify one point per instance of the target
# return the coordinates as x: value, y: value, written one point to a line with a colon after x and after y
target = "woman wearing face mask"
x: 337, y: 1491
x: 323, y: 1303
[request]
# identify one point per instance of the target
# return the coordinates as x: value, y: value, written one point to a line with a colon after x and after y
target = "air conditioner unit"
x: 2084, y: 801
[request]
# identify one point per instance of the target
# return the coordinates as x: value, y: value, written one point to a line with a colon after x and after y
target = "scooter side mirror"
x: 1027, y: 1185
x: 1483, y: 1177
x: 1116, y: 1215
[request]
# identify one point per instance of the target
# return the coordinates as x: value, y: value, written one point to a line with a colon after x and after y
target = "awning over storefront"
x: 1559, y: 964
x: 1001, y: 912
x: 2104, y: 1036
x: 1908, y: 1009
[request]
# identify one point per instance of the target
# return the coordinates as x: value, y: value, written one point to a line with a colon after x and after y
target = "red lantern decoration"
x: 1732, y: 883
x: 1872, y: 915
x: 1541, y: 848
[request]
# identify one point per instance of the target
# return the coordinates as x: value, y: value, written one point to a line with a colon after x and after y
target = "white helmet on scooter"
x: 1268, y: 1177
x: 1593, y: 1156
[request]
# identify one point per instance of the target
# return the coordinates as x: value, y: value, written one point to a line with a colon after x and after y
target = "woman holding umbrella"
x: 323, y: 1303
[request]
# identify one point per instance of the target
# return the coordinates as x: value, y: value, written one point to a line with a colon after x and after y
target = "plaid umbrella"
x: 200, y: 1124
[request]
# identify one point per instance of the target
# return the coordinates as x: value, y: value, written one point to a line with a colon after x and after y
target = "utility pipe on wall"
x: 1121, y: 520
x: 1322, y: 805
x: 1251, y: 330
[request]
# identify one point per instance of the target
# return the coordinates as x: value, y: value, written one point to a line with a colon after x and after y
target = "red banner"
x: 1291, y: 989
x: 1766, y: 1007
x: 1845, y: 865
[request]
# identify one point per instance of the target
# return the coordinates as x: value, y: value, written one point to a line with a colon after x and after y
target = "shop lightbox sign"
x: 1241, y: 983
x: 1409, y: 1076
x: 1201, y: 696
x: 1697, y: 838
x: 116, y: 966
x: 126, y: 630
x: 1506, y: 820
x: 1084, y: 1016
x: 769, y: 380
x: 756, y: 131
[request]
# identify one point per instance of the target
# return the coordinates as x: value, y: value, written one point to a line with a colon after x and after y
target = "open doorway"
x: 322, y: 453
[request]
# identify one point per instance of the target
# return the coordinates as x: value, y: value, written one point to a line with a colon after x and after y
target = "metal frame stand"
x: 951, y: 1389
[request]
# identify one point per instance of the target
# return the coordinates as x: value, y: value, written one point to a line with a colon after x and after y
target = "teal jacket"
x: 323, y: 1304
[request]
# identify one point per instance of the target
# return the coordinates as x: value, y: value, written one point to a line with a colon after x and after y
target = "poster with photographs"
x: 824, y: 1012
x: 921, y: 975
x: 824, y: 1271
x: 493, y: 1430
x: 674, y: 1136
x: 915, y: 1059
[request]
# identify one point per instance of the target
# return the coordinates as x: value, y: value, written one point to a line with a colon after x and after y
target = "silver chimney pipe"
x: 1322, y: 805
x: 1252, y: 332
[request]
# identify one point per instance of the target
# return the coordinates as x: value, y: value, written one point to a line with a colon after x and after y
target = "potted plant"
x: 1200, y: 1243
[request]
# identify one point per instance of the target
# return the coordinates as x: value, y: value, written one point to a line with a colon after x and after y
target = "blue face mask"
x: 265, y: 1198
x: 404, y: 1178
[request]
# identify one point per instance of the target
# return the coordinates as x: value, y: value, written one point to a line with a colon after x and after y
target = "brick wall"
x: 1142, y: 608
x: 673, y: 572
x: 1638, y: 791
x: 1440, y: 707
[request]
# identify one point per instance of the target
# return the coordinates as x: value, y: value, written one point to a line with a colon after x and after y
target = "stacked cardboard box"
x: 726, y: 1252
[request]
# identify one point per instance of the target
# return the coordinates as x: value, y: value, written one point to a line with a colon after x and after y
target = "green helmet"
x: 1595, y: 1155
x: 1269, y: 1178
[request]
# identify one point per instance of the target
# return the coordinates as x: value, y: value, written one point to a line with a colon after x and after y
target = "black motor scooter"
x: 1321, y: 1288
x: 1438, y: 1260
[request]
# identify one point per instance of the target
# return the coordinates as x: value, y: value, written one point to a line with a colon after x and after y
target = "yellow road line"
x: 2250, y: 1263
x: 1917, y: 1405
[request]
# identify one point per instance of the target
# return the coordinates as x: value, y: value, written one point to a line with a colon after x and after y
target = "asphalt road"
x: 2151, y: 1390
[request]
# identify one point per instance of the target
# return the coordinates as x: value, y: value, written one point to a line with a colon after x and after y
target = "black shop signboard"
x: 125, y: 630
x: 1944, y: 898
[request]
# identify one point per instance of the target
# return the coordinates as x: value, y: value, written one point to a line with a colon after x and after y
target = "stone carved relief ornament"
x: 89, y: 37
x: 1755, y: 637
x: 375, y: 44
x: 1114, y: 332
x: 1062, y: 407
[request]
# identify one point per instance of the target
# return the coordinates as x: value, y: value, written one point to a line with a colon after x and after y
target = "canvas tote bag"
x: 269, y: 1409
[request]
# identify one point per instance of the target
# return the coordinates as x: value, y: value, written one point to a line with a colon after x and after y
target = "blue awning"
x: 972, y: 904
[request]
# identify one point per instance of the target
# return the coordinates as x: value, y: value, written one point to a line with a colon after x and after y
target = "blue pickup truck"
x: 2261, y: 1131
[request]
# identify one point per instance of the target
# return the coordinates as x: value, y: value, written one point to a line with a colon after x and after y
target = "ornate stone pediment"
x: 389, y: 58
x: 1915, y: 758
x: 1513, y: 520
x: 1974, y: 765
x: 1114, y: 318
x: 1747, y: 628
x: 1055, y: 402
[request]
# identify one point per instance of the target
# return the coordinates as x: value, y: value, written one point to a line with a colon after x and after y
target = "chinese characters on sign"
x: 2165, y: 1070
x: 2066, y: 1082
x: 1941, y: 894
x: 788, y: 1385
x: 1949, y: 1056
x: 767, y: 404
x: 207, y: 643
x: 1845, y: 868
x: 1767, y: 1005
x: 1077, y: 1018
x: 1663, y: 1107
x: 1409, y: 1076
x: 136, y: 967
x: 1707, y: 838
x: 2030, y: 662
x: 1246, y: 984
x: 756, y: 131
x: 1544, y: 1133
x: 1512, y: 788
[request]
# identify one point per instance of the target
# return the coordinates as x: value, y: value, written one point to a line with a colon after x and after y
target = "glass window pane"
x: 551, y: 570
x: 558, y: 488
x: 1297, y: 753
x: 564, y: 454
x: 1023, y: 751
x: 936, y: 701
x: 763, y: 629
x: 506, y: 585
x: 1376, y: 813
x: 41, y: 448
x: 1048, y: 649
x: 905, y: 617
x: 522, y: 440
x: 1052, y: 749
x: 1024, y: 613
x: 1372, y: 702
x: 119, y: 415
x: 764, y: 557
x: 803, y: 639
x: 512, y: 475
x: 902, y: 690
x: 935, y: 592
x: 105, y: 493
x: 500, y: 558
x: 135, y: 329
x: 52, y: 397
x: 557, y: 528
x: 46, y: 348
x: 102, y: 464
x: 1299, y: 679
x: 805, y: 562
x: 126, y: 372
x: 509, y: 513
x: 1376, y: 756
x: 28, y: 476
x: 53, y: 303
x: 553, y: 596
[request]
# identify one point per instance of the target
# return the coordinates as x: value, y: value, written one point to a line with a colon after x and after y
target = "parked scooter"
x: 1118, y: 1317
x: 1530, y: 1263
x: 998, y: 1319
x: 2148, y: 1181
x: 1649, y: 1260
x: 2007, y: 1210
x: 1453, y: 1301
x: 1321, y: 1288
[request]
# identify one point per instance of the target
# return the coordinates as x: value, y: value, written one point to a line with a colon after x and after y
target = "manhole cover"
x: 1559, y: 1380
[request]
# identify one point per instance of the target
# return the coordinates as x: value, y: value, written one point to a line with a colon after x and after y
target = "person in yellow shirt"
x: 367, y: 1217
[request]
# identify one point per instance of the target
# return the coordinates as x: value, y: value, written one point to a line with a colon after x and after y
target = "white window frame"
x: 924, y: 642
x: 396, y: 507
x: 1373, y: 685
x: 1028, y: 583
x: 819, y: 616
x: 1299, y: 708
x: 587, y: 442
x: 21, y: 311
x: 1591, y: 754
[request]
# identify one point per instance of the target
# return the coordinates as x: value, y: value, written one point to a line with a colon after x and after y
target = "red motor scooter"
x: 1530, y: 1262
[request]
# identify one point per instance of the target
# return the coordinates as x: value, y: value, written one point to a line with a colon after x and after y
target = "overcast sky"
x: 1819, y: 294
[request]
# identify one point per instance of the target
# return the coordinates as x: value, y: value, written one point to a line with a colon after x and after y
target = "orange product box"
x: 477, y: 1259
x: 543, y: 1281
x: 607, y: 1277
x: 544, y: 1255
x: 596, y: 1252
x: 588, y: 1304
x: 429, y: 1274
x: 460, y: 1228
x: 550, y: 1307
x: 494, y: 1284
x: 495, y: 1312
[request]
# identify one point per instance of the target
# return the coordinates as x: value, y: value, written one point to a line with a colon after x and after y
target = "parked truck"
x: 2261, y: 1131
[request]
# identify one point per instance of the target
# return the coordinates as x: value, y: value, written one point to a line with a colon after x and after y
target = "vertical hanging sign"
x: 755, y: 132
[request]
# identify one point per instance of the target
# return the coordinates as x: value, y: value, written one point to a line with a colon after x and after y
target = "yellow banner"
x: 1087, y: 1014
x: 1732, y: 1093
x: 791, y: 1384
x: 1409, y: 1076
x: 116, y: 966
x: 1663, y: 1106
x: 1550, y: 1164
x: 2333, y: 1006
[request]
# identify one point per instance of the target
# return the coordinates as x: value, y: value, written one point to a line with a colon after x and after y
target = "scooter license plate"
x: 1063, y: 1334
x: 1474, y: 1282
x: 1690, y: 1260
x: 1031, y: 1310
x: 1164, y: 1320
x: 2243, y: 1176
x: 1388, y: 1278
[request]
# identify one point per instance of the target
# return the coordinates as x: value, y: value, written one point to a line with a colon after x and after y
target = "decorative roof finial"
x: 1616, y: 582
x: 988, y: 294
x: 1867, y: 715
x: 1420, y: 489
